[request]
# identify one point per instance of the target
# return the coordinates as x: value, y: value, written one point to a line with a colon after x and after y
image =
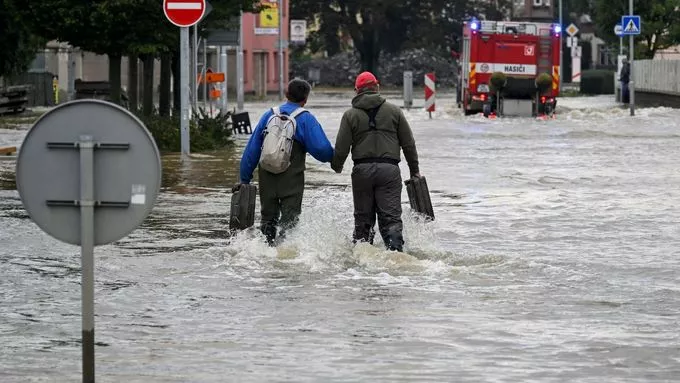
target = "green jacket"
x: 392, y: 133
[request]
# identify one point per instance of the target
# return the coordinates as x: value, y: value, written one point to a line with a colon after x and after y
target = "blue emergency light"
x: 558, y: 29
x: 474, y: 24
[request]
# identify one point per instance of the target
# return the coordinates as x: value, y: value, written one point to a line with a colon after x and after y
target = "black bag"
x: 242, y: 214
x: 419, y: 196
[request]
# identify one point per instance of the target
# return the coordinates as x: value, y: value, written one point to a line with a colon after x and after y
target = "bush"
x: 543, y: 82
x: 205, y: 132
x: 597, y: 81
x: 498, y: 81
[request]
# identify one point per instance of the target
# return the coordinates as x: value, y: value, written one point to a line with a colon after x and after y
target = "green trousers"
x: 280, y: 202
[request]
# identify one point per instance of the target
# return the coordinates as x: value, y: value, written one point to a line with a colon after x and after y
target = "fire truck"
x: 516, y: 53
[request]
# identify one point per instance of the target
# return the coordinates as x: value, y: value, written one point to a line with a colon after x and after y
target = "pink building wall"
x: 257, y: 45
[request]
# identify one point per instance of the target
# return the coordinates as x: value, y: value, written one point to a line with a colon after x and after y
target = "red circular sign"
x: 184, y: 13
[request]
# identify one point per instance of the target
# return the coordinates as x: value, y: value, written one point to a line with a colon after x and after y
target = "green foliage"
x: 205, y: 133
x: 214, y: 132
x: 660, y: 22
x: 543, y: 82
x: 377, y: 26
x: 18, y: 43
x: 597, y: 81
x: 498, y: 81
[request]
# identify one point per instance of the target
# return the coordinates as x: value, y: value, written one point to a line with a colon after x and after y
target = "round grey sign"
x: 88, y: 142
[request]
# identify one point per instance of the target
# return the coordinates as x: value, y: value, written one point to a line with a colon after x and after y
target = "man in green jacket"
x: 376, y: 131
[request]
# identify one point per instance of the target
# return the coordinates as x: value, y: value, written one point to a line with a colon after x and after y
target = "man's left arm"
x: 315, y: 139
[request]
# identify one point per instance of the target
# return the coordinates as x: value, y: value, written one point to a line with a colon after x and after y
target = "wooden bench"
x: 8, y: 150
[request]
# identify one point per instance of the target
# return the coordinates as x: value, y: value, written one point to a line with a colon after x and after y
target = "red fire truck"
x: 521, y: 50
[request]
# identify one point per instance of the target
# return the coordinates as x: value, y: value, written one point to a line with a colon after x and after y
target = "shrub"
x: 543, y: 82
x: 597, y: 81
x: 205, y: 132
x: 498, y: 81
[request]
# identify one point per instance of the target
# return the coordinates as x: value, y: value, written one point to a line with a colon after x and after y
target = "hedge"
x: 597, y: 81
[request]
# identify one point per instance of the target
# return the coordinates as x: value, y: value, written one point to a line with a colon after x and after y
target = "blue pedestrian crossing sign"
x: 631, y: 25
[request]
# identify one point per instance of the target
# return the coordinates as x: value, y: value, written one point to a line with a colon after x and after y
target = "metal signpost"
x: 184, y: 14
x: 88, y: 174
x: 561, y: 70
x: 575, y: 51
x: 224, y: 69
x: 239, y: 66
x: 280, y: 6
x: 618, y: 31
x: 632, y: 25
x: 408, y: 89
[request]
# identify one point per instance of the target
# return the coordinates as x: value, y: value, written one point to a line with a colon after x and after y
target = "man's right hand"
x: 235, y: 188
x: 417, y: 175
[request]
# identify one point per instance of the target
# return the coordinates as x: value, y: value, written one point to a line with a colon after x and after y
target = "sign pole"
x: 223, y: 68
x: 194, y: 61
x: 185, y: 88
x: 205, y: 66
x: 239, y: 66
x: 280, y: 49
x: 561, y: 50
x: 631, y: 84
x: 86, y: 146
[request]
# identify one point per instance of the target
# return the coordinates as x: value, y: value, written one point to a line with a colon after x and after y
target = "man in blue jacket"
x: 281, y: 194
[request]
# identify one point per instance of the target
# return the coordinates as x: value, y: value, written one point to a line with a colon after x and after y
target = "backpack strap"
x: 297, y: 112
x: 276, y: 110
x: 371, y: 115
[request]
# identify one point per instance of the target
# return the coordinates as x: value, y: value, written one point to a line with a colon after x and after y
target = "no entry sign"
x: 184, y: 13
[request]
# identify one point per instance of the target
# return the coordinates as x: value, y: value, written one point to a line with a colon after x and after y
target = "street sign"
x: 184, y: 13
x: 208, y: 9
x: 88, y: 174
x: 632, y: 25
x: 429, y: 93
x: 618, y: 30
x: 572, y: 42
x: 126, y: 172
x: 298, y: 31
x: 572, y: 29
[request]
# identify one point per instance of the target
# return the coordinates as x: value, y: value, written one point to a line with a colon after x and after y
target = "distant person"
x: 624, y: 77
x: 281, y: 167
x: 376, y: 131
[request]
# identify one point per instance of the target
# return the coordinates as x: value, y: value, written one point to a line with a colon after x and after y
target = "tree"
x: 660, y: 18
x: 114, y: 27
x: 17, y: 44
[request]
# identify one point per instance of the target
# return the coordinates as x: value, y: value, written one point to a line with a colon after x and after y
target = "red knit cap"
x: 365, y: 79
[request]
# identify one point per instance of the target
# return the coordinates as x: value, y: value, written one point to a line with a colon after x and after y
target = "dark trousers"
x: 625, y: 93
x: 280, y: 203
x: 376, y: 188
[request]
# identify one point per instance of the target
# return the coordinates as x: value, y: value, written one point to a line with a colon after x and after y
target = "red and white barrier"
x: 429, y: 93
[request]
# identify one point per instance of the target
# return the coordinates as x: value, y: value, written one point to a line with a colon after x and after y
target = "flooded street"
x: 554, y: 257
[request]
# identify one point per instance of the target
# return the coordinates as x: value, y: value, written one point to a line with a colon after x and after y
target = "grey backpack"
x: 278, y: 141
